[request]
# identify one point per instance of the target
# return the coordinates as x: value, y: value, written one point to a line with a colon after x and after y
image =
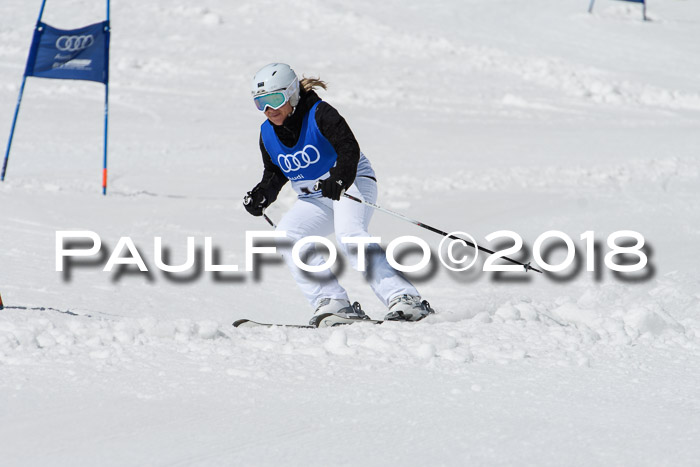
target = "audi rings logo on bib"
x: 74, y: 43
x: 299, y: 160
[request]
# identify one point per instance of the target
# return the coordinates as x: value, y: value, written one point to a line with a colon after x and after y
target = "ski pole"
x: 269, y: 221
x: 438, y: 231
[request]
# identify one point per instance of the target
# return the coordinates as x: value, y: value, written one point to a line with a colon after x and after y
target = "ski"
x: 324, y: 321
x: 249, y: 323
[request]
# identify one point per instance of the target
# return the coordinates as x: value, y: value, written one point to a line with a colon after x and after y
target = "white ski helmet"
x: 276, y: 78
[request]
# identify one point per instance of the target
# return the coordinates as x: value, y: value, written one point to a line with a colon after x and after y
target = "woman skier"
x: 307, y: 141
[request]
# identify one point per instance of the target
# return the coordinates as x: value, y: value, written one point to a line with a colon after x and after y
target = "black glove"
x: 333, y: 187
x: 255, y: 201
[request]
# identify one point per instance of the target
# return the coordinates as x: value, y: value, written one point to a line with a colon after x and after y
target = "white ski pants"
x: 347, y: 218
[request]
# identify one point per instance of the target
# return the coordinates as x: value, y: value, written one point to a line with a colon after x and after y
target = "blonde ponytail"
x: 309, y: 84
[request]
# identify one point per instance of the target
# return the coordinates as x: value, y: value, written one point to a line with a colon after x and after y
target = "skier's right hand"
x: 255, y: 201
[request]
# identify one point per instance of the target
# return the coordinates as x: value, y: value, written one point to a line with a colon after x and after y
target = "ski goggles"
x: 274, y: 100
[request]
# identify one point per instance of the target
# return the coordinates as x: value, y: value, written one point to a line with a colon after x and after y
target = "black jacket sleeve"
x: 273, y: 178
x: 336, y: 130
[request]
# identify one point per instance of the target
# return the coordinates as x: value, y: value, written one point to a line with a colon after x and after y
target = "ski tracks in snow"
x: 565, y: 331
x: 469, y: 379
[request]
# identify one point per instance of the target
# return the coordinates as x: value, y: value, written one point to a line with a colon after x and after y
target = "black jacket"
x: 333, y: 127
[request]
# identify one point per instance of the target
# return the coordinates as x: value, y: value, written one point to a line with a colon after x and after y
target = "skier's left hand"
x: 332, y: 187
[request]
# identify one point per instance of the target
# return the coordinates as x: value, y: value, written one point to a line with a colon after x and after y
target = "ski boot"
x: 330, y: 308
x: 408, y: 308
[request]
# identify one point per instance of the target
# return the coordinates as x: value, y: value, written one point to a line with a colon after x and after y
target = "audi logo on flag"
x: 299, y: 160
x: 74, y: 43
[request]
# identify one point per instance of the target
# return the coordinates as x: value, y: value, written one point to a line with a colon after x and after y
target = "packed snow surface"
x: 478, y: 116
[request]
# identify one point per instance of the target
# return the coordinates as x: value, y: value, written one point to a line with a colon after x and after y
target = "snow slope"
x: 477, y: 116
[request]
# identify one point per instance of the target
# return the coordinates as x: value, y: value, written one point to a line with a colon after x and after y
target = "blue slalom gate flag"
x: 643, y: 2
x: 70, y: 54
x: 81, y: 54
